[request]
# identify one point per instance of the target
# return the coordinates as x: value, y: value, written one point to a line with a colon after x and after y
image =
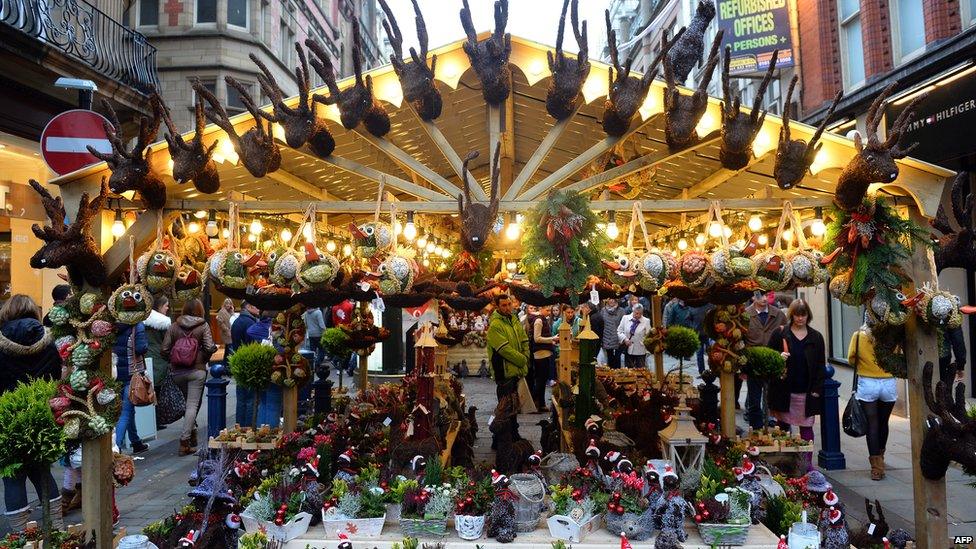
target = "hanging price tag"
x: 594, y: 296
x: 387, y: 421
x: 378, y: 305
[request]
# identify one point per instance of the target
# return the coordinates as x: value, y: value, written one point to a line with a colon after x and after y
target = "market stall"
x: 386, y: 207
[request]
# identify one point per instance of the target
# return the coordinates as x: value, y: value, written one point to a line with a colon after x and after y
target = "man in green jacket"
x: 508, y: 349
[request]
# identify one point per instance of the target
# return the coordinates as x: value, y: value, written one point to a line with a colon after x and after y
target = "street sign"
x: 65, y: 140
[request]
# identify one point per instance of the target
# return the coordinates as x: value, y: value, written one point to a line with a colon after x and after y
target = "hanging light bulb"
x: 513, y: 229
x: 256, y: 227
x: 714, y: 229
x: 682, y: 244
x: 788, y: 235
x: 817, y: 228
x: 193, y: 227
x: 118, y: 226
x: 727, y: 231
x: 422, y: 241
x: 212, y: 228
x: 346, y: 249
x: 330, y: 246
x: 741, y: 243
x: 200, y: 214
x: 286, y: 235
x: 431, y: 245
x: 763, y: 240
x: 511, y: 266
x: 612, y: 231
x: 755, y: 223
x: 409, y: 230
x: 397, y: 228
x: 446, y: 253
x: 700, y: 239
x: 307, y: 231
x: 252, y: 238
x: 426, y: 262
x: 225, y: 233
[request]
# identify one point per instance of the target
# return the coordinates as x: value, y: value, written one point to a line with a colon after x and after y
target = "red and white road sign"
x: 65, y: 140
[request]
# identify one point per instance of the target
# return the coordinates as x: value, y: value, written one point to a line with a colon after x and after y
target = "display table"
x: 759, y: 538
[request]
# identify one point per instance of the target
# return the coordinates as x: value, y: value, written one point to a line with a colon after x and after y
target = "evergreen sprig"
x: 29, y: 437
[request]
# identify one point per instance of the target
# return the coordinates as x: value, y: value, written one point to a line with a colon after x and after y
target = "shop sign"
x: 754, y: 29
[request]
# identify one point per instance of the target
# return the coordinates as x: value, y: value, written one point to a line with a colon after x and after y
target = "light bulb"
x: 118, y: 226
x: 422, y: 242
x: 225, y: 233
x: 193, y: 227
x: 513, y: 229
x: 817, y: 228
x: 741, y: 243
x: 268, y: 243
x: 307, y: 231
x: 410, y: 230
x: 200, y: 214
x: 788, y: 235
x: 446, y: 253
x: 714, y: 229
x: 763, y: 240
x: 347, y: 249
x: 330, y: 246
x: 682, y: 244
x: 286, y: 235
x: 430, y: 246
x: 755, y: 223
x: 252, y: 238
x: 397, y: 228
x: 426, y: 262
x: 700, y: 239
x: 256, y: 227
x: 612, y: 231
x: 212, y: 229
x: 727, y: 231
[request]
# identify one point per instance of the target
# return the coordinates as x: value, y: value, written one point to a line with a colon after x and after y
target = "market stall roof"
x: 419, y: 162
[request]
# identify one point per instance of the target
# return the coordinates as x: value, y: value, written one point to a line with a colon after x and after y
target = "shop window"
x: 206, y: 11
x: 844, y: 321
x: 908, y: 31
x: 237, y: 13
x: 210, y: 85
x: 148, y: 13
x: 969, y: 12
x: 851, y: 44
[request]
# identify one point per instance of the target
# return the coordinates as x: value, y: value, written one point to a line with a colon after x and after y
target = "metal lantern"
x: 683, y: 445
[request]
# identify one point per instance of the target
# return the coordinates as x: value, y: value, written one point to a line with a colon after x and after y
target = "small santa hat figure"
x: 348, y: 455
x: 782, y: 543
x: 834, y: 516
x: 753, y: 451
x: 536, y: 458
x: 593, y: 423
x: 344, y: 542
x: 624, y: 543
x: 498, y: 479
x: 592, y: 451
x: 613, y: 456
x: 189, y: 540
x: 332, y: 417
x: 418, y: 463
x: 624, y: 465
x: 649, y: 469
x: 668, y: 472
x: 737, y: 471
x: 233, y: 521
x: 830, y: 498
x: 313, y: 465
x: 748, y: 467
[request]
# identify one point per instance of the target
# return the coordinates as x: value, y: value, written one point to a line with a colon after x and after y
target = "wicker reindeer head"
x: 875, y: 161
x: 794, y: 157
x: 71, y: 246
x: 627, y: 93
x: 416, y: 78
x: 191, y: 160
x: 951, y: 433
x: 356, y: 103
x: 687, y: 51
x: 257, y: 148
x: 738, y: 128
x: 568, y: 75
x: 683, y: 112
x: 490, y: 58
x: 477, y: 219
x: 300, y: 124
x: 130, y: 168
x: 957, y: 248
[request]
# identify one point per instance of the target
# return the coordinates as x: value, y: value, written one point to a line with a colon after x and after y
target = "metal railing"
x: 81, y: 30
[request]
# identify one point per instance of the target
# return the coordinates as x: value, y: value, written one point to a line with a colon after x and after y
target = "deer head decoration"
x: 795, y: 156
x: 191, y: 160
x: 356, y: 103
x: 130, y: 168
x: 477, y: 219
x: 71, y: 246
x: 875, y: 160
x: 957, y: 248
x: 300, y: 124
x: 257, y: 148
x: 627, y: 93
x: 687, y: 50
x: 738, y: 128
x: 568, y: 75
x: 490, y: 58
x: 951, y: 433
x: 874, y: 530
x: 416, y: 78
x: 683, y: 112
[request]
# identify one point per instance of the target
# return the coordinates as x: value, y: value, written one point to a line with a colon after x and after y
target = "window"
x: 237, y: 15
x: 148, y: 13
x: 206, y: 11
x: 851, y: 45
x: 909, y: 28
x: 234, y: 102
x: 210, y: 85
x: 968, y: 9
x: 287, y: 46
x: 844, y: 321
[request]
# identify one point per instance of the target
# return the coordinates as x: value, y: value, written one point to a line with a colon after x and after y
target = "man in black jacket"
x: 244, y: 412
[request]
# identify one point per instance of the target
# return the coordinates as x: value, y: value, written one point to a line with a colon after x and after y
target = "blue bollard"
x: 217, y: 399
x: 830, y: 457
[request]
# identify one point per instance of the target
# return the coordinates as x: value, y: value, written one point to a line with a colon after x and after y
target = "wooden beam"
x: 501, y: 133
x: 116, y: 258
x: 581, y: 161
x: 540, y: 154
x: 391, y: 180
x: 443, y: 145
x: 723, y: 175
x: 399, y: 155
x: 292, y: 181
x: 639, y: 163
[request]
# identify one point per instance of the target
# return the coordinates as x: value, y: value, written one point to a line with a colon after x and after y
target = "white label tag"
x: 594, y: 296
x: 379, y: 305
x: 871, y: 529
x: 491, y: 419
x: 387, y: 421
x: 364, y: 286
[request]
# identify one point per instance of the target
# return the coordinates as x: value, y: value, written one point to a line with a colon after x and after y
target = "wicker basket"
x: 557, y: 464
x: 723, y: 534
x: 423, y: 528
x: 531, y: 493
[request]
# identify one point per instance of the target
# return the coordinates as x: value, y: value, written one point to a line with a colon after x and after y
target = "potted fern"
x: 471, y: 505
x: 355, y: 509
x: 251, y: 366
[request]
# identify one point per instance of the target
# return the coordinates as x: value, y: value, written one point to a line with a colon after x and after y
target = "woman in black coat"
x: 797, y: 397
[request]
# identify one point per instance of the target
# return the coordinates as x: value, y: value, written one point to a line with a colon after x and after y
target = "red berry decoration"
x: 698, y: 518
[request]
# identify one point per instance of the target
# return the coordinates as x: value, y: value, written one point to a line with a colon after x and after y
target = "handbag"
x: 141, y: 391
x: 526, y: 402
x: 170, y: 402
x: 855, y: 421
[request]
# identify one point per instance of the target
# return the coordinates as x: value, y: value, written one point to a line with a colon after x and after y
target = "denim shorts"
x: 870, y: 389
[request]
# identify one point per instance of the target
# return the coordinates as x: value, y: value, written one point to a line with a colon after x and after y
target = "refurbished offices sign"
x: 754, y: 29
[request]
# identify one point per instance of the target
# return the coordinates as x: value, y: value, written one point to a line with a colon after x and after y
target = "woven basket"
x: 531, y: 492
x: 557, y: 464
x: 723, y: 534
x: 419, y: 528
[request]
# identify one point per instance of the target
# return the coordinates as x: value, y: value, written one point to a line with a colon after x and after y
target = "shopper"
x: 269, y: 402
x: 188, y: 346
x: 698, y: 324
x: 764, y: 320
x: 679, y: 313
x: 59, y: 294
x: 542, y: 347
x: 631, y: 333
x: 225, y: 319
x: 508, y: 350
x: 877, y: 391
x: 27, y: 352
x: 612, y: 314
x: 342, y: 315
x: 797, y: 398
x: 157, y: 325
x: 314, y: 327
x: 953, y: 346
x: 244, y: 410
x: 130, y: 345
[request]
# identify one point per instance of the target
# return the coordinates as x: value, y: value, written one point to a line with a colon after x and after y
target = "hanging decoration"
x: 568, y: 75
x: 489, y: 59
x: 191, y: 160
x: 130, y: 303
x: 795, y: 156
x: 739, y: 129
x: 682, y: 113
x: 478, y: 219
x: 956, y: 248
x: 804, y: 261
x: 730, y: 264
x: 87, y: 405
x: 949, y: 434
x: 157, y: 268
x: 290, y: 367
x: 416, y: 78
x: 726, y: 326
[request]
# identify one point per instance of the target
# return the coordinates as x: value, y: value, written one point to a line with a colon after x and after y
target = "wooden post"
x: 657, y: 320
x: 289, y: 401
x: 727, y: 403
x: 96, y: 478
x: 564, y: 373
x: 931, y: 519
x: 363, y: 370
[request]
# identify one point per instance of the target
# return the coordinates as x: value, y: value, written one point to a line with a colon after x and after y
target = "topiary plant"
x: 764, y: 363
x: 681, y: 343
x: 335, y: 342
x: 251, y: 367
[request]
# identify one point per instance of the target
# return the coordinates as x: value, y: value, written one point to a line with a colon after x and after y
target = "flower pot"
x: 804, y: 535
x: 419, y: 528
x: 392, y: 513
x: 354, y: 528
x: 565, y: 528
x: 469, y: 527
x: 288, y: 531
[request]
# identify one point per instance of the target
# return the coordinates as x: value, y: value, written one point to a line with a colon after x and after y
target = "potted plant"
x: 425, y: 510
x: 764, y: 364
x: 471, y: 505
x: 251, y: 365
x: 393, y: 496
x: 354, y: 509
x: 576, y: 504
x: 629, y: 509
x: 681, y: 343
x: 276, y: 509
x: 723, y: 517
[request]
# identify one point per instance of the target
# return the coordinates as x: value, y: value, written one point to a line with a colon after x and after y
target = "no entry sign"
x: 65, y: 140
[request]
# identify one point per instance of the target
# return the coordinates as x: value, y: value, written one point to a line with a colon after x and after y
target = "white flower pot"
x: 354, y: 528
x: 469, y: 527
x: 288, y: 531
x: 565, y: 528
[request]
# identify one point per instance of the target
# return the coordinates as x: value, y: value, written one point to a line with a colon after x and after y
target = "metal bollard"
x: 830, y: 457
x: 217, y: 399
x: 322, y: 393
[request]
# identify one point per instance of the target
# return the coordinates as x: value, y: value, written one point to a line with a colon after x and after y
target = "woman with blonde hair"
x: 877, y: 392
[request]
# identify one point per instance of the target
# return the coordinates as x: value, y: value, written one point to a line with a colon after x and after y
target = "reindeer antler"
x: 579, y: 31
x: 758, y: 115
x: 465, y: 172
x: 730, y: 102
x: 467, y: 23
x: 54, y: 208
x: 612, y: 45
x: 666, y: 46
x: 559, y: 58
x: 216, y: 113
x: 393, y: 31
x: 323, y: 66
x: 710, y: 65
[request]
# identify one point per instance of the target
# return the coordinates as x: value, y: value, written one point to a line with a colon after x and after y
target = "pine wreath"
x: 562, y: 245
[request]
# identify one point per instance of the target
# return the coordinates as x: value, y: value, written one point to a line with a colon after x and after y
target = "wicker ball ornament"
x: 157, y: 269
x: 129, y: 304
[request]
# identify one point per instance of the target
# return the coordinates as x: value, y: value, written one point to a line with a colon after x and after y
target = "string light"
x: 212, y: 228
x: 788, y: 235
x: 347, y: 249
x: 252, y: 238
x: 727, y: 231
x: 682, y: 244
x: 755, y: 223
x: 330, y: 246
x: 193, y: 227
x: 118, y: 226
x: 256, y: 227
x: 612, y: 231
x: 225, y: 233
x: 286, y: 235
x: 513, y: 229
x: 817, y: 228
x: 431, y: 245
x: 763, y: 240
x: 422, y: 241
x: 397, y: 228
x: 410, y: 230
x: 700, y: 239
x: 715, y: 229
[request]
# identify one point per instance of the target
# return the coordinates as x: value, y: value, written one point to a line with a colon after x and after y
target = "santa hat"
x: 748, y: 467
x: 313, y: 465
x: 417, y: 463
x: 753, y: 451
x: 332, y: 417
x: 624, y: 465
x: 830, y: 498
x: 834, y: 515
x: 782, y: 543
x: 737, y: 471
x: 668, y: 472
x: 241, y: 470
x: 348, y: 455
x: 233, y: 521
x: 624, y: 544
x: 649, y: 468
x: 593, y: 422
x: 592, y: 450
x: 253, y: 456
x: 536, y: 458
x: 344, y: 542
x: 189, y: 540
x: 613, y: 456
x: 498, y: 478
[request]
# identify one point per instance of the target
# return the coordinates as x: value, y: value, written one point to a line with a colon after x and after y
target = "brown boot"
x: 877, y: 467
x: 193, y: 437
x: 70, y: 500
x: 186, y: 448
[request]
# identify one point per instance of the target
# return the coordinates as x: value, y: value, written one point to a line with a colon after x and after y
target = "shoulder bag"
x: 855, y: 421
x: 141, y: 391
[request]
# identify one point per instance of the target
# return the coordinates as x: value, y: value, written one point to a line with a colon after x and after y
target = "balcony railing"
x: 81, y: 30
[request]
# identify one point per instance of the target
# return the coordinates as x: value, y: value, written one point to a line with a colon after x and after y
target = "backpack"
x: 184, y: 351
